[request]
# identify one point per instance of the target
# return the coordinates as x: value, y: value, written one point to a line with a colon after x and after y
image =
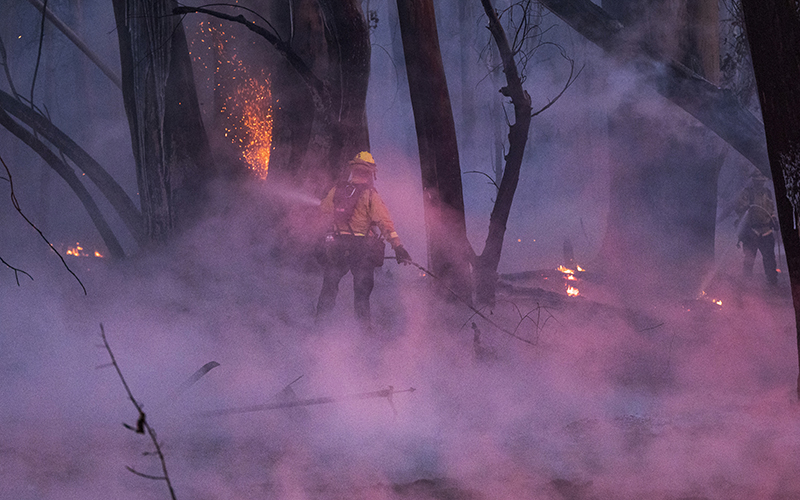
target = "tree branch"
x: 74, y: 38
x: 319, y: 89
x: 112, y: 191
x: 71, y: 179
x: 19, y: 210
x: 141, y: 424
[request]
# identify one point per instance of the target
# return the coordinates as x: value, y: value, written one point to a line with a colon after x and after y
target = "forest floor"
x: 597, y: 396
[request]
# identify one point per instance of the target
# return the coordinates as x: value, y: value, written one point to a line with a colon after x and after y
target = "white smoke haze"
x: 622, y: 394
x: 662, y: 403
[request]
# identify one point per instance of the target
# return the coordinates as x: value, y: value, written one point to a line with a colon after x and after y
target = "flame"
x: 78, y: 251
x: 580, y: 269
x: 565, y: 270
x: 247, y: 104
x: 569, y: 275
x: 253, y: 131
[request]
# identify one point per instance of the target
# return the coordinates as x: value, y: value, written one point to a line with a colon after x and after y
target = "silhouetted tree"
x: 173, y: 159
x: 449, y: 253
x: 773, y: 32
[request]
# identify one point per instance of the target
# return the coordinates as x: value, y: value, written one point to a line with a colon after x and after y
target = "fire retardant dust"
x: 542, y: 396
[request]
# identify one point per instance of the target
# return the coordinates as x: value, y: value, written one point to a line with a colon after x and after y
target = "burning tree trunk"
x: 449, y: 253
x: 486, y: 267
x: 333, y: 127
x: 173, y: 160
x: 773, y: 32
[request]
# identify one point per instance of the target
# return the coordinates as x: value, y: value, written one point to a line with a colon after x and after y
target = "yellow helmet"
x: 364, y: 158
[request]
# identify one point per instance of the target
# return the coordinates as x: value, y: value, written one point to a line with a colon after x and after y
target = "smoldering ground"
x: 663, y: 401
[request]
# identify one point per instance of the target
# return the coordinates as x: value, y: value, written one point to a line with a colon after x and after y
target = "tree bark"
x: 773, y: 32
x: 172, y: 155
x: 449, y: 253
x: 349, y: 51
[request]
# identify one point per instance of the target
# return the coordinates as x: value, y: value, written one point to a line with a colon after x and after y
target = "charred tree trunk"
x: 172, y: 155
x: 66, y: 173
x: 112, y: 191
x: 300, y: 23
x: 663, y: 179
x: 716, y: 108
x: 486, y: 267
x: 449, y: 253
x: 349, y: 53
x: 773, y: 32
x: 324, y: 123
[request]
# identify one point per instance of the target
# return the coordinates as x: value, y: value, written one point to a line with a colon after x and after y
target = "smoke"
x: 625, y: 393
x: 613, y: 403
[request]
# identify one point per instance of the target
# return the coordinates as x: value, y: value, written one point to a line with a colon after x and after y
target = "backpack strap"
x: 345, y: 199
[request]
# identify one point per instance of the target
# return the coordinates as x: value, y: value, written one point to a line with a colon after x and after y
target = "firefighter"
x: 757, y: 222
x: 359, y: 222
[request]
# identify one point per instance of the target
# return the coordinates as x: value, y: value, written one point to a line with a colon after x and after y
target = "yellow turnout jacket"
x: 369, y: 211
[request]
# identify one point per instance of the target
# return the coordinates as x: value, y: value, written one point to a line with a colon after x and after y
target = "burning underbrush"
x: 541, y: 396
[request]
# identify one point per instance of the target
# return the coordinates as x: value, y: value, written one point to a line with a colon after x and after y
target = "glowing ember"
x: 565, y: 270
x: 250, y: 121
x: 580, y: 269
x: 247, y: 104
x: 704, y: 296
x: 78, y: 251
x: 569, y: 275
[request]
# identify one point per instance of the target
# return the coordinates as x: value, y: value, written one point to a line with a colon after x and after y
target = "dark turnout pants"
x: 765, y: 244
x: 347, y: 253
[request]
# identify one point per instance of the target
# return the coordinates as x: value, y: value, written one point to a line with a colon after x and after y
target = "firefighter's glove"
x: 402, y: 255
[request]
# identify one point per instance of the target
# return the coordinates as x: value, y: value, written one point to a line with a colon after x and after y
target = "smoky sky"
x: 610, y: 395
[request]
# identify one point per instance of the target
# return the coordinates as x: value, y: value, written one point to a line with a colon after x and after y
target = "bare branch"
x: 38, y: 55
x: 74, y: 38
x: 141, y: 424
x: 319, y: 90
x: 17, y: 271
x: 570, y: 81
x: 492, y: 181
x: 147, y: 476
x: 19, y: 210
